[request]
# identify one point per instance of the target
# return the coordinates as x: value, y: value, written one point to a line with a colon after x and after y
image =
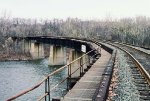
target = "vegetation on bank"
x: 134, y: 31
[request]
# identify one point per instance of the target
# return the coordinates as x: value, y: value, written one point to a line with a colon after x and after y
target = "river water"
x: 16, y: 76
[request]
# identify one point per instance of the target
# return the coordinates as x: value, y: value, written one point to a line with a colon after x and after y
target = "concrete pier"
x: 37, y: 50
x: 27, y: 46
x: 72, y: 56
x: 57, y: 55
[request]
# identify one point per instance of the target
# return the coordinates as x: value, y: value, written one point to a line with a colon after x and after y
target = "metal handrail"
x: 44, y: 95
x: 47, y: 77
x: 67, y: 77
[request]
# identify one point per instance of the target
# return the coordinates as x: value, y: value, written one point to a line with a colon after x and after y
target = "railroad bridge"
x: 87, y: 81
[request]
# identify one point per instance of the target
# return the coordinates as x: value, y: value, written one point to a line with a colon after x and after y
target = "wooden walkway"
x: 85, y: 88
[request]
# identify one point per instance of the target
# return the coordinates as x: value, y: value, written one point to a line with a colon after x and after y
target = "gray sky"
x: 84, y: 9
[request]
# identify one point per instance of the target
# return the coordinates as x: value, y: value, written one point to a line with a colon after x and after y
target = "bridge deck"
x: 85, y: 88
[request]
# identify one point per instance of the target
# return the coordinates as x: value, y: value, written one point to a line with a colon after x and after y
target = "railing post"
x: 80, y: 67
x: 70, y: 70
x: 68, y: 79
x: 69, y: 76
x: 45, y: 88
x: 49, y: 89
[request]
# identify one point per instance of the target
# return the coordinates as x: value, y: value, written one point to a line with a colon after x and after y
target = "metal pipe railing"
x: 69, y: 75
x: 47, y: 82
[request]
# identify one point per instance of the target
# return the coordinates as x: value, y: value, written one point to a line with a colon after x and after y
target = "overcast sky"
x: 84, y: 9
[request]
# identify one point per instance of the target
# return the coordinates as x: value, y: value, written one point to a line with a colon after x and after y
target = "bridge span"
x: 88, y: 81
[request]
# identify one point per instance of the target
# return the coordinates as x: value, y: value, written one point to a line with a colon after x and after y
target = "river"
x: 16, y: 76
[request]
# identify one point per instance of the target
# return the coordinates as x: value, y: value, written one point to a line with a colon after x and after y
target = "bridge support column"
x: 72, y: 56
x: 57, y: 56
x: 27, y: 46
x: 37, y: 50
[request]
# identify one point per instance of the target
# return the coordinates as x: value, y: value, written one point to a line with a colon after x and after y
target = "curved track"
x: 142, y: 57
x: 139, y: 63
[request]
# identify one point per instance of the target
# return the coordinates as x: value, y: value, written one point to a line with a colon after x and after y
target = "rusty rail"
x: 141, y: 68
x: 46, y: 79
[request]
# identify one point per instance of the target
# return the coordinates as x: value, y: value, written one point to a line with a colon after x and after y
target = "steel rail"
x: 133, y: 48
x: 141, y: 68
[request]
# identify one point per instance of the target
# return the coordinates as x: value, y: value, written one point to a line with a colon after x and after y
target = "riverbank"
x: 15, y: 57
x: 21, y: 56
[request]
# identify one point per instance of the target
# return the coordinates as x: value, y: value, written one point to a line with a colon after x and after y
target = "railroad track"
x: 142, y: 57
x: 139, y: 63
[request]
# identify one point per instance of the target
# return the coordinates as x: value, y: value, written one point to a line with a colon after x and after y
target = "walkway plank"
x: 85, y: 88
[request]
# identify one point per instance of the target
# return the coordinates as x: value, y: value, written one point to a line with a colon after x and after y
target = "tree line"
x: 134, y: 31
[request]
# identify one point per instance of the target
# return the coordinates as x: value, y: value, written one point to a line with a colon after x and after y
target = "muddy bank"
x: 19, y: 55
x: 15, y: 57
